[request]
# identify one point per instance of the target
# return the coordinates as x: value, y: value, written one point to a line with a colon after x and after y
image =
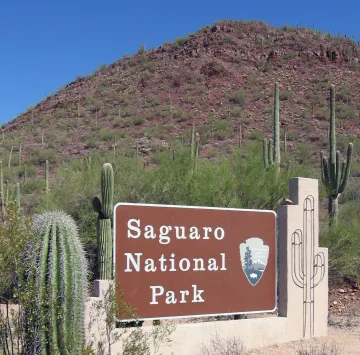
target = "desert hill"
x: 216, y: 78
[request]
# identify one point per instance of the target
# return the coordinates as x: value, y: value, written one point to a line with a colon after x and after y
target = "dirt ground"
x: 339, y: 341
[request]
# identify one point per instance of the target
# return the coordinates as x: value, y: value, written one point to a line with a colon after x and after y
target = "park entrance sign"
x: 182, y: 261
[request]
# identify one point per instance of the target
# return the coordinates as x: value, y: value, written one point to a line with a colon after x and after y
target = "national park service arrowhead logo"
x: 254, y: 256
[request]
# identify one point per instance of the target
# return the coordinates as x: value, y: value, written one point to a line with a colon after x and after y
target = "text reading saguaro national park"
x: 179, y: 261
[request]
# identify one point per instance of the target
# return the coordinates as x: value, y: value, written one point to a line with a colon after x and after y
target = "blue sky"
x: 46, y: 44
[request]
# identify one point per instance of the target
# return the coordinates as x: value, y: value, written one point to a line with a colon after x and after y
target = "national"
x: 136, y: 262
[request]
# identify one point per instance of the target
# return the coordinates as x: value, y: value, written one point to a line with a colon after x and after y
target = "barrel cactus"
x: 104, y: 208
x: 60, y: 282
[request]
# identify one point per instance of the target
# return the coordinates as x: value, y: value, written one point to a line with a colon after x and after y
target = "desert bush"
x: 223, y: 346
x: 134, y: 340
x: 39, y: 156
x: 13, y: 236
x: 285, y: 95
x: 344, y: 111
x: 343, y: 241
x: 323, y: 349
x: 238, y: 97
x: 222, y: 129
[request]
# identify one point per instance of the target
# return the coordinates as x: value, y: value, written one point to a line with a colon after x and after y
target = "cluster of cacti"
x: 104, y: 208
x: 334, y: 173
x: 58, y: 267
x: 271, y: 149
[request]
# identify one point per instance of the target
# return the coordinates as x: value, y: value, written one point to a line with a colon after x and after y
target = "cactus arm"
x: 319, y: 266
x: 347, y: 169
x: 336, y: 183
x: 325, y: 170
x: 265, y: 154
x: 96, y: 203
x: 297, y: 269
x: 271, y: 152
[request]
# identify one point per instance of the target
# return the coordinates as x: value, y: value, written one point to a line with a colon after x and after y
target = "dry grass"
x: 323, y: 349
x: 223, y: 346
x: 234, y: 346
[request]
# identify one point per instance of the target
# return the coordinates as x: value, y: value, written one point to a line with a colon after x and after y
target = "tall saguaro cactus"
x: 193, y: 141
x: 334, y: 173
x: 60, y: 281
x: 271, y: 152
x: 104, y: 208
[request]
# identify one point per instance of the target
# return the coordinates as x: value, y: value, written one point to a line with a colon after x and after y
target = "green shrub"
x: 138, y: 121
x: 285, y: 95
x: 39, y: 156
x: 238, y: 97
x: 344, y: 111
x: 222, y: 129
x: 343, y: 241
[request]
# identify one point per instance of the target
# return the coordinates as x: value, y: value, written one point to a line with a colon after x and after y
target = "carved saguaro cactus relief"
x: 308, y: 268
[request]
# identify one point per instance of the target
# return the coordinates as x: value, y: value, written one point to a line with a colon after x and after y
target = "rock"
x: 286, y: 201
x: 341, y: 290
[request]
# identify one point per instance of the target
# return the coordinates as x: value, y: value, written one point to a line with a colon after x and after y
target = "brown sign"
x: 181, y: 261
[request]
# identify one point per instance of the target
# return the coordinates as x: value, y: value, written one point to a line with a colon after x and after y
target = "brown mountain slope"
x: 224, y: 72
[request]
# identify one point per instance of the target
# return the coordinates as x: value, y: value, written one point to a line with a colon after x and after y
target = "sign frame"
x: 202, y: 208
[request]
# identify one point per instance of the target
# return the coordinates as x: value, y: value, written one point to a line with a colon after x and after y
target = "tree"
x: 248, y: 259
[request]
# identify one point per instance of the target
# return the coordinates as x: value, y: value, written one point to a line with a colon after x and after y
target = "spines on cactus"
x: 104, y: 208
x: 334, y: 173
x: 60, y: 283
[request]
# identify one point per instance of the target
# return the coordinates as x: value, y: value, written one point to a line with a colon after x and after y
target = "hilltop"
x: 216, y: 78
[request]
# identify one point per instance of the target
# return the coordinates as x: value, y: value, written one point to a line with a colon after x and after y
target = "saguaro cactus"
x: 104, y: 208
x: 46, y: 177
x: 18, y: 196
x: 60, y: 283
x: 334, y: 173
x: 193, y: 141
x: 271, y: 152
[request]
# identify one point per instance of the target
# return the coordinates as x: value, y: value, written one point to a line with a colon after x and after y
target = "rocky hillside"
x: 217, y: 78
